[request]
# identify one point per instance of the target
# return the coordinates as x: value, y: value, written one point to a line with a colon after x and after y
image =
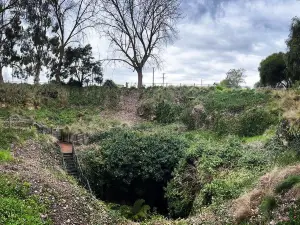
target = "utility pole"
x: 153, y: 77
x: 163, y: 79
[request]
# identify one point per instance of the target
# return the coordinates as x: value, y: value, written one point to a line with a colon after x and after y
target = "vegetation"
x: 131, y: 165
x: 287, y: 184
x: 272, y: 71
x: 234, y: 78
x: 199, y: 152
x: 17, y: 205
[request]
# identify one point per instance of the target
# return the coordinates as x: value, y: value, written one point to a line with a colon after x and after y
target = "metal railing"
x: 83, y: 179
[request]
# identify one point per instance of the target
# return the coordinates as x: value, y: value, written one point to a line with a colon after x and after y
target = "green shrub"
x: 5, y: 156
x: 182, y: 189
x: 131, y: 165
x: 138, y: 212
x: 13, y: 136
x: 167, y: 112
x: 287, y: 184
x: 255, y: 122
x: 267, y: 205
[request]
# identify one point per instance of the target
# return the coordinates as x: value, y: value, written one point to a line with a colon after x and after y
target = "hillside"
x: 183, y: 155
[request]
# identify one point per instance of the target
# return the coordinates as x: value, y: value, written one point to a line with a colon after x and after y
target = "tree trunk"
x: 1, y: 76
x: 140, y: 77
x: 58, y: 70
x: 37, y: 73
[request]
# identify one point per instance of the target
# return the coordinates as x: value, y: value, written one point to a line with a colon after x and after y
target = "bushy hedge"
x: 130, y: 165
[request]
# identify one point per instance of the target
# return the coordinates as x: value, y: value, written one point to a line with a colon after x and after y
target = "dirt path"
x: 128, y: 110
x: 69, y: 203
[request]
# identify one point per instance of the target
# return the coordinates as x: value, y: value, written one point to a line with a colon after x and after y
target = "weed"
x: 5, y: 156
x: 287, y: 184
x: 267, y: 205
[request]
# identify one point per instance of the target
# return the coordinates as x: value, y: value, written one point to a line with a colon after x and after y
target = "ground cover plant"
x: 17, y: 205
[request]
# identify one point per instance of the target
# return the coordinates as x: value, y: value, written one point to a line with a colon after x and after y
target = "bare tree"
x: 71, y: 18
x: 138, y: 28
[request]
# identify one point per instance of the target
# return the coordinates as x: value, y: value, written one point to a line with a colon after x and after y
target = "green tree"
x: 234, y: 78
x: 10, y: 34
x: 71, y: 19
x: 272, y: 71
x: 35, y: 45
x: 293, y: 54
x: 81, y: 66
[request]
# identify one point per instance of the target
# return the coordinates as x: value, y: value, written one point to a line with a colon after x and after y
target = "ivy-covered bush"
x: 130, y: 165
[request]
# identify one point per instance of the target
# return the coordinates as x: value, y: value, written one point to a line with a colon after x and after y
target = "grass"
x: 17, y: 206
x: 267, y: 205
x: 5, y: 156
x: 287, y: 184
x: 13, y: 136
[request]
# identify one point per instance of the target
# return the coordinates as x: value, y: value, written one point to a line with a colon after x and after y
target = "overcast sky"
x: 214, y: 37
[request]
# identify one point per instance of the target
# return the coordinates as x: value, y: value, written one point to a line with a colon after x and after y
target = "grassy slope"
x: 35, y: 190
x: 229, y: 182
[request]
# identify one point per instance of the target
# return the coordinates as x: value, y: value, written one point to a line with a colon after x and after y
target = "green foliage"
x: 292, y: 55
x: 10, y: 136
x: 294, y: 217
x: 234, y: 101
x: 234, y: 78
x: 255, y: 122
x: 138, y: 212
x: 272, y: 70
x: 80, y: 65
x: 287, y: 184
x: 167, y: 112
x: 17, y: 206
x: 130, y: 163
x: 267, y: 205
x: 5, y: 156
x: 110, y: 84
x: 58, y: 96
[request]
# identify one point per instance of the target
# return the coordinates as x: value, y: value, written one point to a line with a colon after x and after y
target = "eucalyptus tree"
x: 10, y: 33
x: 36, y: 38
x: 81, y: 66
x: 137, y: 29
x: 71, y: 20
x: 292, y: 55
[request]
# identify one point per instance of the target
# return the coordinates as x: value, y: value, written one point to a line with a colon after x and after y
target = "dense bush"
x: 131, y: 165
x: 58, y: 95
x: 167, y: 112
x: 212, y: 172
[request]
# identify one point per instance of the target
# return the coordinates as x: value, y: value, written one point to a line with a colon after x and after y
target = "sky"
x: 214, y: 37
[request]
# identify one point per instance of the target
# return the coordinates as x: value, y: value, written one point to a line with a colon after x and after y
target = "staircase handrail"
x: 80, y: 169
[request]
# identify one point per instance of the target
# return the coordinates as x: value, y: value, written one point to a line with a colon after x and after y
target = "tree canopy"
x: 234, y: 78
x: 272, y: 71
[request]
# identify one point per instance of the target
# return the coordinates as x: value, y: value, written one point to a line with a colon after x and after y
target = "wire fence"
x: 134, y: 84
